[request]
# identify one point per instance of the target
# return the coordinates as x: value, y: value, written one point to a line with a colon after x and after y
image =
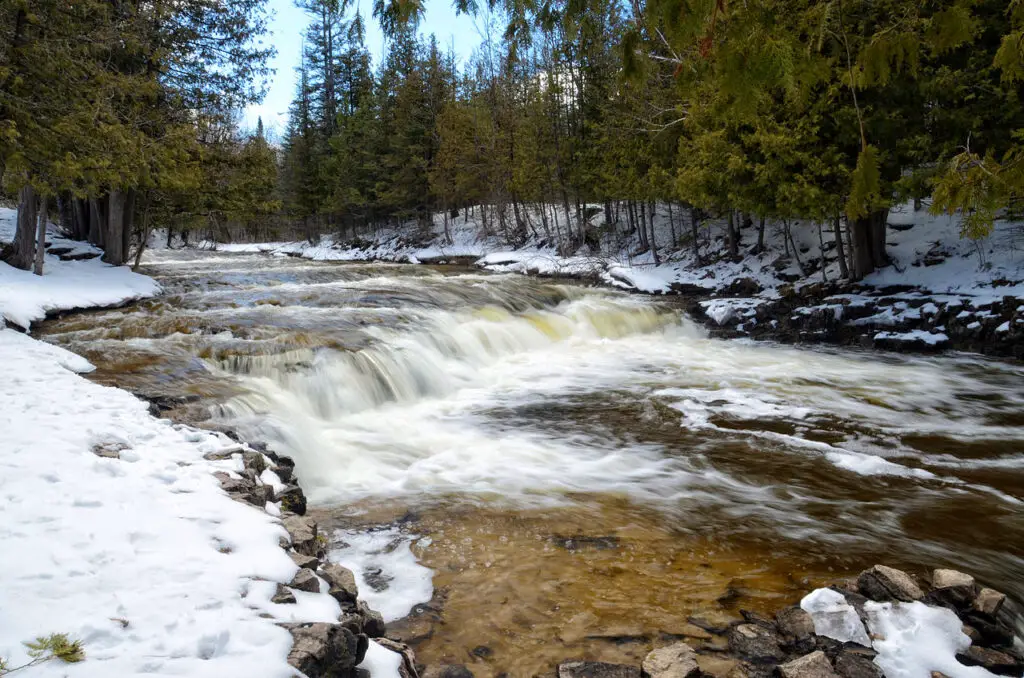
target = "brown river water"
x: 543, y: 471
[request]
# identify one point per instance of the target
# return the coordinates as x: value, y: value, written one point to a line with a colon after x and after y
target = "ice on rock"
x: 913, y: 640
x: 834, y: 617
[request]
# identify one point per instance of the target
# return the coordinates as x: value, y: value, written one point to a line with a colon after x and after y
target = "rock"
x: 448, y: 671
x: 306, y: 580
x: 242, y: 488
x: 814, y: 665
x: 687, y: 630
x: 373, y: 621
x: 883, y: 584
x: 283, y: 595
x: 597, y: 670
x: 304, y: 561
x: 674, y: 661
x: 794, y: 622
x: 995, y: 661
x: 407, y: 669
x: 292, y: 499
x: 715, y: 666
x: 755, y: 643
x: 991, y: 631
x: 759, y: 619
x: 285, y: 473
x: 482, y: 652
x: 303, y: 532
x: 342, y: 583
x: 942, y: 579
x: 324, y: 650
x: 856, y: 665
x: 989, y: 601
x: 254, y: 461
x: 955, y: 598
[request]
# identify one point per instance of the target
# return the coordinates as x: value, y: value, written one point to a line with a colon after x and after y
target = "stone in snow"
x: 814, y: 665
x: 342, y: 583
x: 834, y: 617
x: 306, y: 580
x: 674, y: 661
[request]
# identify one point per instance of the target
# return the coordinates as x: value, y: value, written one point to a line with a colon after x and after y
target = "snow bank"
x: 26, y: 298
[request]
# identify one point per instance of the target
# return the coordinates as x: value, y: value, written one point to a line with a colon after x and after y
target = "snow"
x: 913, y: 640
x: 1005, y: 327
x: 398, y: 583
x: 834, y: 617
x: 930, y: 338
x: 381, y: 662
x: 26, y: 298
x: 143, y: 557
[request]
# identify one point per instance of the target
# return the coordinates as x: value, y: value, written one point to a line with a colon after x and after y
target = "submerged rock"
x: 448, y: 671
x: 597, y: 670
x: 674, y: 661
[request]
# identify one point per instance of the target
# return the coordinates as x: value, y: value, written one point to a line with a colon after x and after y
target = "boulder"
x: 254, y: 461
x: 989, y: 601
x: 674, y: 661
x: 794, y: 622
x: 292, y: 499
x: 283, y: 595
x: 942, y: 579
x: 303, y: 532
x: 992, y: 632
x: 448, y: 671
x: 305, y: 580
x: 814, y: 665
x: 373, y: 621
x: 716, y: 666
x: 755, y: 643
x: 342, y: 583
x: 597, y: 670
x: 285, y: 473
x: 995, y: 661
x: 304, y: 561
x: 856, y: 665
x: 882, y: 583
x: 324, y: 650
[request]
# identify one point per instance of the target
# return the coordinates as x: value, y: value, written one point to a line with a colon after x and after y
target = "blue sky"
x: 288, y: 23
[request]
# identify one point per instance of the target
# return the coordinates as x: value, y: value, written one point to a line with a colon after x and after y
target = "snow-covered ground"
x: 114, y: 530
x: 26, y: 298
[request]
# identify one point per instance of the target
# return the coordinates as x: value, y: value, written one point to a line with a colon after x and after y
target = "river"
x: 581, y: 469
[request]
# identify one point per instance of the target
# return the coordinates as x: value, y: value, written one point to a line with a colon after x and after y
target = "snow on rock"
x: 724, y: 311
x: 26, y: 298
x: 913, y: 639
x: 834, y: 617
x: 389, y: 577
x: 929, y: 338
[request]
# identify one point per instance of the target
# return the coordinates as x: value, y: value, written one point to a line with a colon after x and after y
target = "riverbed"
x: 582, y: 471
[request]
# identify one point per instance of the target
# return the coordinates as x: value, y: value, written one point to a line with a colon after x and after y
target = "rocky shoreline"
x: 834, y: 632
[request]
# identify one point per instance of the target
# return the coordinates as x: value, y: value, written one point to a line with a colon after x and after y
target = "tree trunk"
x: 128, y: 224
x: 732, y: 239
x: 643, y: 226
x: 81, y: 216
x: 672, y: 225
x: 844, y: 270
x: 114, y: 236
x: 695, y: 233
x: 868, y: 234
x: 760, y: 236
x: 144, y: 241
x: 66, y: 216
x: 97, y: 221
x: 651, y: 239
x: 821, y: 248
x: 23, y: 247
x: 44, y: 205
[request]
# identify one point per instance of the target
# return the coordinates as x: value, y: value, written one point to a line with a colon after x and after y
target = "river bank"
x: 121, y: 531
x: 939, y: 292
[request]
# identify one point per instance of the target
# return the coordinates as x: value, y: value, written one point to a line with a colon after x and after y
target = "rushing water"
x: 582, y: 469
